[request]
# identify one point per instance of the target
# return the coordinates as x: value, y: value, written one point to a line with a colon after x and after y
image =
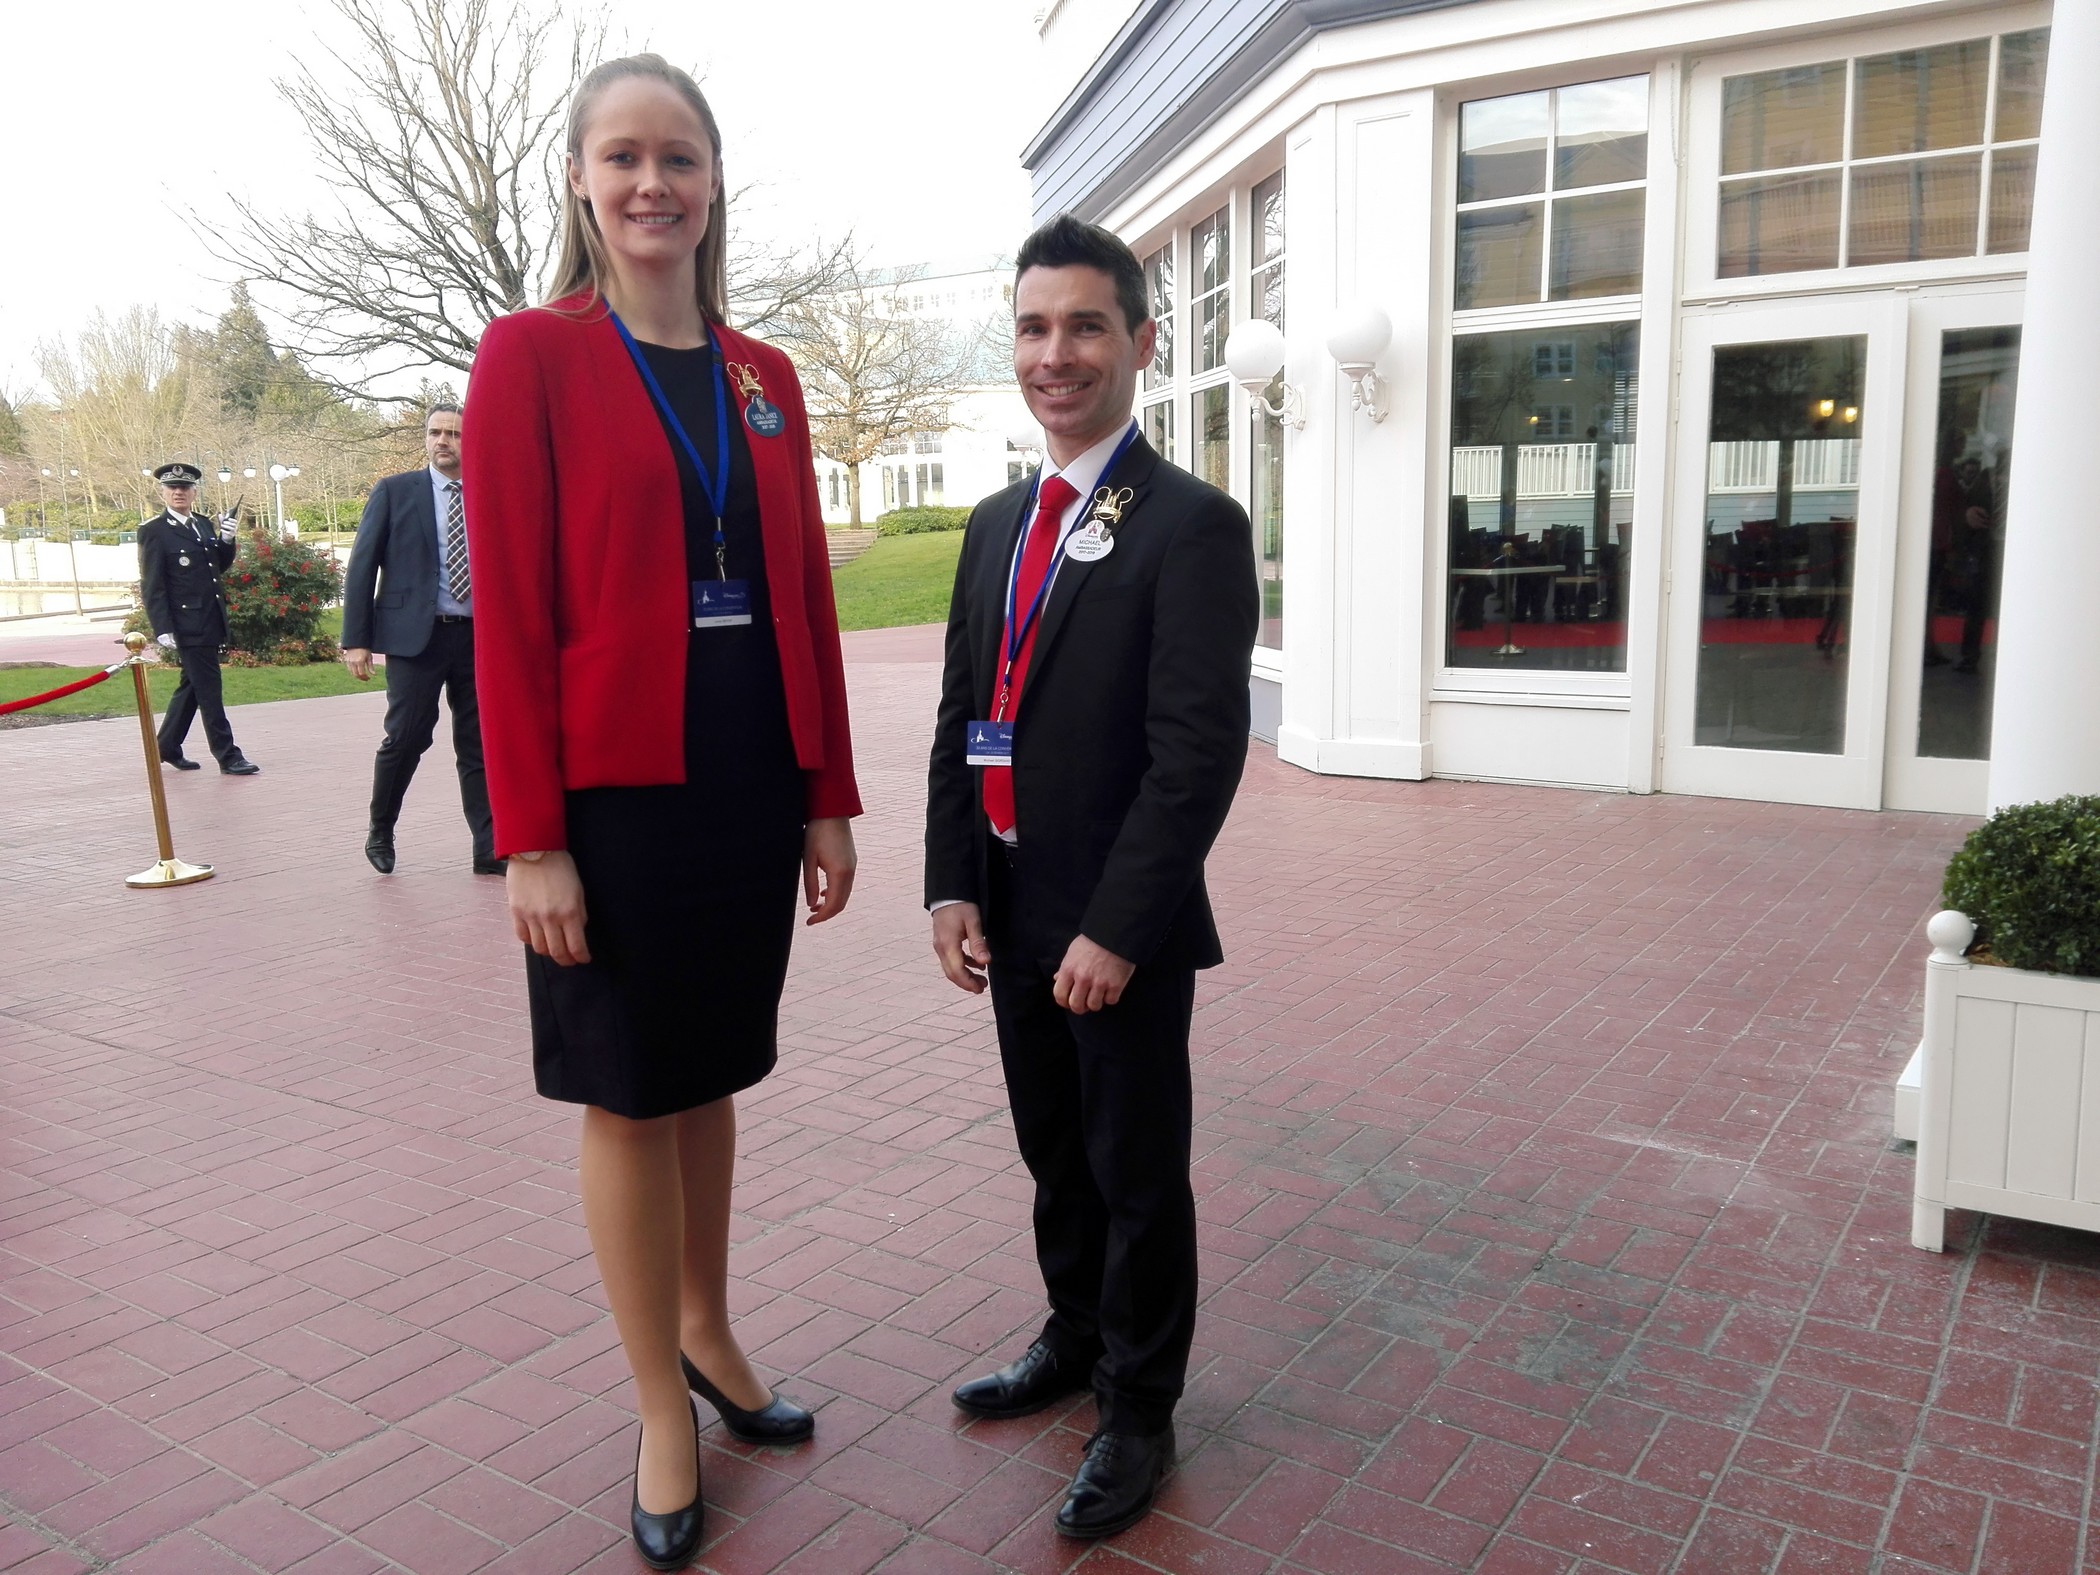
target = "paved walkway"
x: 1550, y: 1221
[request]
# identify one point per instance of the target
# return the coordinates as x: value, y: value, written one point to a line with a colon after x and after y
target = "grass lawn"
x: 244, y: 686
x: 899, y: 580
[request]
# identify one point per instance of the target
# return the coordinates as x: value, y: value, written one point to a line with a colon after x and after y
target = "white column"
x: 2045, y: 736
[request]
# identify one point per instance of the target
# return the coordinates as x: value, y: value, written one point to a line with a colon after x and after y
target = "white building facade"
x: 978, y: 451
x: 1687, y: 463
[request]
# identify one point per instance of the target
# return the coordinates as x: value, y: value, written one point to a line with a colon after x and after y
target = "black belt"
x: 455, y: 617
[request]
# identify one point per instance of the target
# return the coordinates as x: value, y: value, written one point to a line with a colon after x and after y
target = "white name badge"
x: 989, y: 744
x: 719, y: 604
x: 1089, y: 544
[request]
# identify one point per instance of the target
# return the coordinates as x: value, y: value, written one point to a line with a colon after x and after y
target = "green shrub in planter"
x: 2030, y: 878
x: 915, y: 522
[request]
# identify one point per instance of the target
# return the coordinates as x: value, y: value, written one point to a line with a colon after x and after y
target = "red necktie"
x: 1057, y: 495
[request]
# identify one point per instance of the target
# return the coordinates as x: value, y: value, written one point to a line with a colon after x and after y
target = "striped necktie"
x: 456, y: 576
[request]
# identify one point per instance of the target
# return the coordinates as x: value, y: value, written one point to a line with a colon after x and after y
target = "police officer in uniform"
x: 181, y: 556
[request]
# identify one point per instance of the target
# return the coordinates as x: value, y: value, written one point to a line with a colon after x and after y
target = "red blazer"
x: 580, y: 596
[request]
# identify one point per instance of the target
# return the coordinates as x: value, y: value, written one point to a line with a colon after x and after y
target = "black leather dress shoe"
x: 1040, y: 1378
x: 379, y: 848
x: 1116, y: 1484
x: 239, y: 766
x: 668, y: 1541
x: 778, y: 1421
x: 180, y: 762
x: 487, y: 866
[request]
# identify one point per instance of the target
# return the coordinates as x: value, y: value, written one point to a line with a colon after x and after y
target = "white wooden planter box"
x: 2009, y: 1095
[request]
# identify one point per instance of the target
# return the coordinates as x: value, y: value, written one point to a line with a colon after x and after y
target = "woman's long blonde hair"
x: 582, y: 263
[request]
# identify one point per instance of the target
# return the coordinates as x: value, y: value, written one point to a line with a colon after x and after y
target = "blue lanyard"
x: 1017, y: 628
x: 715, y: 482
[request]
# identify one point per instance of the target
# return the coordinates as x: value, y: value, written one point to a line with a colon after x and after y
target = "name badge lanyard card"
x: 719, y: 602
x: 991, y: 743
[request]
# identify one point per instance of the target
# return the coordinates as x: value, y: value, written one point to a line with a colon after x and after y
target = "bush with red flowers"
x: 275, y: 592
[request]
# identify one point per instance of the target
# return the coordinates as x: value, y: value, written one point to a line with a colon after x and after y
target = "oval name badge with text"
x: 763, y: 417
x: 1089, y: 544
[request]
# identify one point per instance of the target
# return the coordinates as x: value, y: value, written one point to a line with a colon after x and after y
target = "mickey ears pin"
x: 761, y: 415
x: 1096, y: 539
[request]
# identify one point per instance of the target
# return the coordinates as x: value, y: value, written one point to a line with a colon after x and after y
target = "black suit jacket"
x: 390, y: 586
x: 1132, y: 729
x: 183, y: 598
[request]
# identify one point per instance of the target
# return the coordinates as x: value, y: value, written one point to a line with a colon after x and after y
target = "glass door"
x: 1776, y: 672
x: 1957, y: 473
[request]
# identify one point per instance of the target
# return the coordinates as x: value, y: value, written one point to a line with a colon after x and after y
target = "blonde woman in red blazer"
x: 664, y: 716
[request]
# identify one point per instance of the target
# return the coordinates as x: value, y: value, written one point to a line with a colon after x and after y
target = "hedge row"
x: 918, y: 521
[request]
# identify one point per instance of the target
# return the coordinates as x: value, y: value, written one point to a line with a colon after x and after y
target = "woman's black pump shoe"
x: 779, y: 1421
x: 669, y: 1541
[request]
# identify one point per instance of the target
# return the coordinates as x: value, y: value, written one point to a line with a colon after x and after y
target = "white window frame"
x: 1702, y: 200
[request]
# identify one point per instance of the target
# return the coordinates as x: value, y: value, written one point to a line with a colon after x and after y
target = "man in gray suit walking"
x: 407, y: 595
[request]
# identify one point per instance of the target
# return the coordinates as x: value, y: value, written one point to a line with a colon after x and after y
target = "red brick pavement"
x: 1550, y: 1221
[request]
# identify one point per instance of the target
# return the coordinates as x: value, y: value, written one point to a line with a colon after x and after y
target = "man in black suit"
x: 407, y: 595
x: 181, y: 556
x: 1098, y: 644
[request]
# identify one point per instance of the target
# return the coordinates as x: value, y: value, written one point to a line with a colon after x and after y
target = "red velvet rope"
x: 60, y: 693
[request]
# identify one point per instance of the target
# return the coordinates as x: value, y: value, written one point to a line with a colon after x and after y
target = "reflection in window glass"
x: 1596, y: 245
x: 1502, y: 146
x: 1267, y: 206
x: 1214, y: 436
x: 1901, y: 210
x: 1543, y: 428
x: 2023, y: 68
x: 1920, y: 99
x: 1915, y: 209
x: 1587, y: 135
x: 1499, y: 255
x: 2012, y: 199
x: 1266, y: 511
x: 1776, y: 120
x: 1972, y: 461
x: 1158, y: 424
x: 1782, y: 510
x: 1210, y: 247
x: 1779, y: 224
x: 1600, y: 133
x: 1159, y: 292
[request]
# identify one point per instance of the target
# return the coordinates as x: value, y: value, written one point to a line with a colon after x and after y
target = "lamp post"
x: 225, y: 476
x: 65, y: 505
x: 278, y: 476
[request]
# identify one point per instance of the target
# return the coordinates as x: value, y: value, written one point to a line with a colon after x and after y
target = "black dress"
x: 689, y: 890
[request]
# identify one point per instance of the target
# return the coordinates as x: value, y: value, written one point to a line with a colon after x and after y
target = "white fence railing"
x: 1754, y: 467
x: 1544, y: 470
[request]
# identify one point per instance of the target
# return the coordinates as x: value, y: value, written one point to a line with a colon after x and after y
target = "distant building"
x: 977, y: 452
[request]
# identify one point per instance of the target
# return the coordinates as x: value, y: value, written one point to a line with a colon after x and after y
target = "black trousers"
x: 199, y: 690
x: 1101, y: 1107
x: 413, y: 683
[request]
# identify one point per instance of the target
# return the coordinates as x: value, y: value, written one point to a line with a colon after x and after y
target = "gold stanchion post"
x: 170, y: 871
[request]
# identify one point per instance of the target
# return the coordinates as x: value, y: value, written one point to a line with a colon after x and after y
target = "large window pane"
x: 1211, y: 242
x: 1159, y: 291
x: 2012, y: 199
x: 1919, y: 208
x: 1781, y: 516
x: 1211, y: 248
x: 1774, y: 120
x: 1920, y: 99
x: 1596, y: 245
x: 1600, y: 133
x: 1543, y: 427
x: 1780, y: 224
x: 1979, y: 373
x: 1499, y: 252
x: 1214, y: 436
x: 1502, y: 146
x: 2023, y: 67
x: 1213, y: 325
x: 1266, y: 434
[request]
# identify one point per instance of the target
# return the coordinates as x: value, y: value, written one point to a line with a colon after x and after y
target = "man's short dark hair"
x: 1068, y: 242
x: 440, y: 408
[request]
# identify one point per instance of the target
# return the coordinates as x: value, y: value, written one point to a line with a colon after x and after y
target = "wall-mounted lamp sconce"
x: 1026, y: 442
x: 1254, y: 355
x: 1356, y: 336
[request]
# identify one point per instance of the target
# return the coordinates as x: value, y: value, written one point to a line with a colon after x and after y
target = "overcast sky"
x: 896, y: 119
